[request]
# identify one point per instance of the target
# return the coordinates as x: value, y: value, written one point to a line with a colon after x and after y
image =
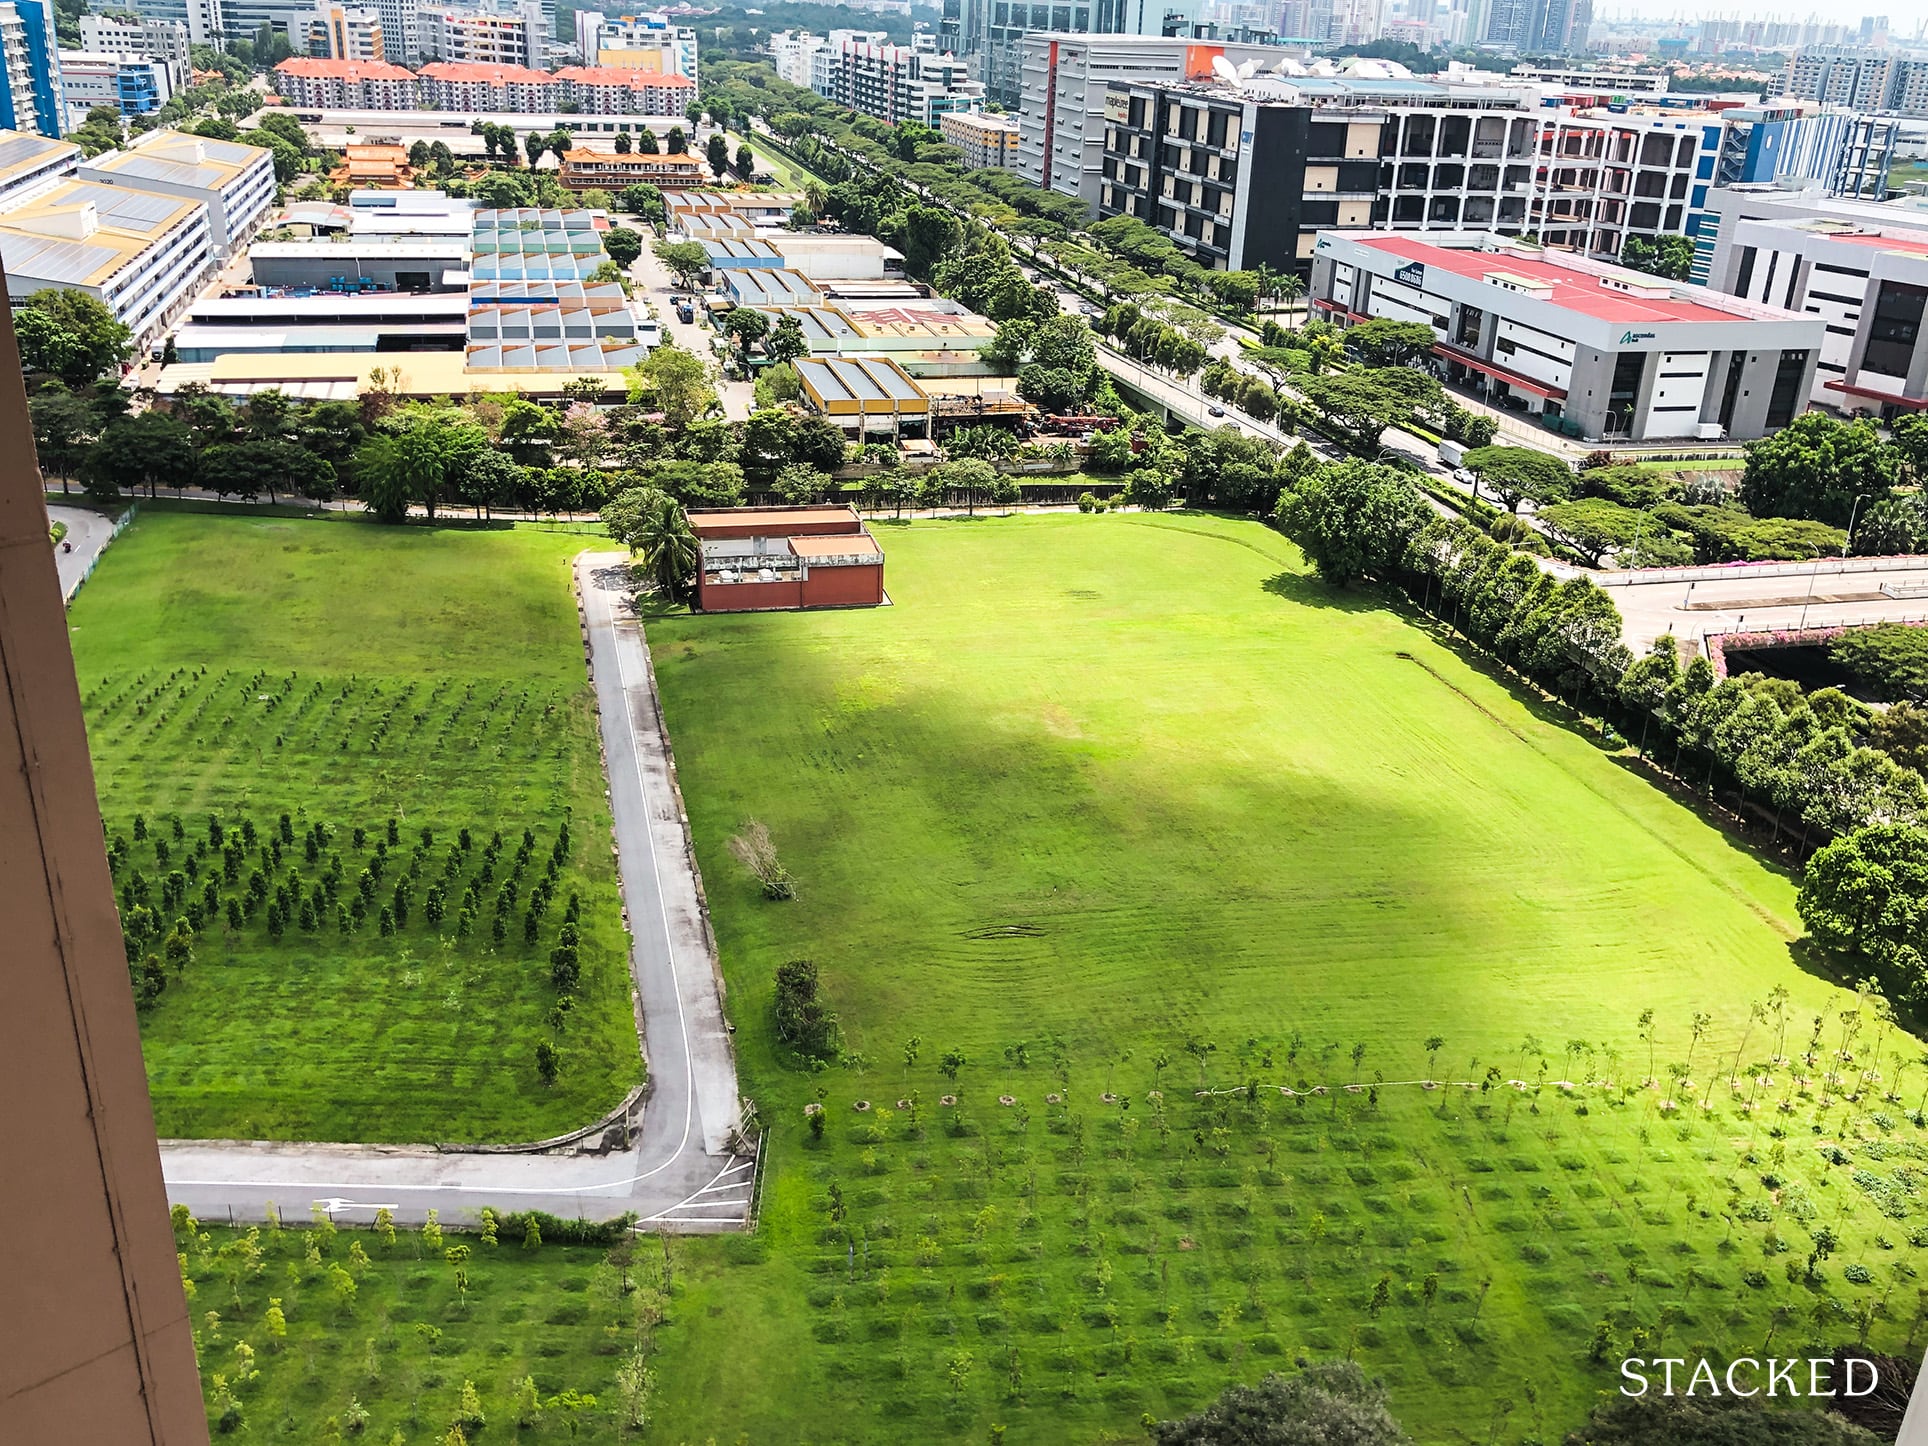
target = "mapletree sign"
x: 1820, y: 1377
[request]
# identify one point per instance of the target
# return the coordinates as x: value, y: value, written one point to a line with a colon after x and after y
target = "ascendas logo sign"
x: 1629, y: 338
x: 1413, y: 273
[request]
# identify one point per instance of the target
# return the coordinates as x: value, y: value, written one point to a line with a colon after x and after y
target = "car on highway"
x: 1215, y: 411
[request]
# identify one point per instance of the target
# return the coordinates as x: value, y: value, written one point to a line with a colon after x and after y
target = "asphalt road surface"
x: 1693, y: 602
x: 681, y: 1173
x: 89, y: 532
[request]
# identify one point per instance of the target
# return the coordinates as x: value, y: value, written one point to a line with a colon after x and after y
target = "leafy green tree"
x: 1383, y: 342
x: 1361, y: 403
x: 1816, y: 467
x: 71, y: 335
x: 926, y: 235
x: 1703, y: 1420
x: 1892, y: 657
x: 148, y: 449
x: 1518, y: 474
x: 687, y: 260
x: 1669, y: 257
x: 1867, y: 893
x: 65, y: 426
x: 717, y: 154
x: 799, y: 483
x: 399, y: 468
x: 1328, y: 1402
x: 641, y: 200
x: 1594, y: 526
x: 676, y: 143
x: 745, y: 164
x: 622, y: 244
x: 786, y: 342
x: 1902, y: 733
x: 1352, y: 519
x: 746, y: 326
x: 673, y: 382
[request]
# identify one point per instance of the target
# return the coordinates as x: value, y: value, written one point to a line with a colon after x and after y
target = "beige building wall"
x: 95, y: 1345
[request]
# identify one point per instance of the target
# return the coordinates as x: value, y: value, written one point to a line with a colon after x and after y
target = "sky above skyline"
x: 1905, y: 17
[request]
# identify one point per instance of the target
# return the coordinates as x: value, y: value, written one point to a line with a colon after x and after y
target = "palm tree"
x: 667, y: 546
x: 816, y: 195
x: 1289, y: 287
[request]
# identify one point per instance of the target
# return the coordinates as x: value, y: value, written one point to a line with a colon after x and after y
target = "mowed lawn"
x: 348, y: 675
x: 1096, y: 789
x: 1128, y: 781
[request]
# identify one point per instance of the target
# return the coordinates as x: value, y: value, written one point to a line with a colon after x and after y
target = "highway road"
x: 682, y: 1172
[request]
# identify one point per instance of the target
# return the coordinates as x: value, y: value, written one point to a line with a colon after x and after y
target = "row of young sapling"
x: 329, y: 713
x: 231, y: 873
x: 1865, y: 1140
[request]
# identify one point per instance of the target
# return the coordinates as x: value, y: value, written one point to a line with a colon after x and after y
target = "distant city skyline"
x: 1905, y: 17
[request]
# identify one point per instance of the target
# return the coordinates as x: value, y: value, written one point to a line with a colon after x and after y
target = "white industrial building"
x: 32, y: 165
x: 234, y: 182
x: 162, y: 40
x: 142, y: 255
x: 1595, y: 350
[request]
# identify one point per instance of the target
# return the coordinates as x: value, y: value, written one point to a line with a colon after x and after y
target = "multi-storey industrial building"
x: 32, y: 165
x: 142, y: 255
x: 1861, y: 266
x: 205, y: 21
x: 1246, y: 176
x: 343, y: 32
x: 1602, y: 351
x: 131, y: 84
x: 163, y: 40
x: 470, y: 36
x: 235, y: 182
x: 989, y: 142
x: 31, y: 97
x: 995, y: 32
x: 1061, y: 117
x: 650, y: 41
x: 895, y: 82
x: 791, y: 52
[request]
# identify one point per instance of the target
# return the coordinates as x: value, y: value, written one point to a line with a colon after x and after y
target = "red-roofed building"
x: 466, y: 86
x: 621, y: 90
x: 345, y: 84
x: 785, y: 557
x: 1594, y: 350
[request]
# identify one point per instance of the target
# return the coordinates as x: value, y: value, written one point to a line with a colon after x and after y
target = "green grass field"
x: 345, y: 676
x: 393, y: 1353
x: 1097, y: 790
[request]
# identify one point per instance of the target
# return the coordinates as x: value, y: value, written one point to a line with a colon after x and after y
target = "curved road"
x: 682, y: 1173
x: 89, y: 532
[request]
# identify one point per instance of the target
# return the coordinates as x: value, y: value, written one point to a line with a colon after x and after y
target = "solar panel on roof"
x: 60, y: 263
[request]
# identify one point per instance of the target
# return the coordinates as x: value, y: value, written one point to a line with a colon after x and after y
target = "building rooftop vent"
x: 1525, y: 285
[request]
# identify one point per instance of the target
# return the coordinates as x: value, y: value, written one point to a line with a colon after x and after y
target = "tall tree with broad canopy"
x: 1352, y: 519
x: 1383, y: 342
x: 622, y: 244
x: 1668, y: 257
x: 71, y: 335
x: 1816, y: 467
x: 1521, y: 474
x: 1330, y: 1403
x: 687, y: 260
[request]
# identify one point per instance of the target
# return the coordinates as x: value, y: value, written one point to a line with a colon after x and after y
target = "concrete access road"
x: 1696, y: 602
x: 88, y: 532
x: 687, y: 1169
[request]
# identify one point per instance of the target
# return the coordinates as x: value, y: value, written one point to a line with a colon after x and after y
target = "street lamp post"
x: 1859, y: 498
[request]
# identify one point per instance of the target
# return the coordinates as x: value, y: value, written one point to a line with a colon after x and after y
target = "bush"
x: 802, y: 1020
x: 555, y: 1230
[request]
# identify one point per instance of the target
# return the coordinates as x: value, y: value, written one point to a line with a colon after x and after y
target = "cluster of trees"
x: 1795, y: 755
x: 1363, y: 520
x: 1151, y: 340
x: 1671, y: 257
x: 1843, y: 473
x: 1892, y: 658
